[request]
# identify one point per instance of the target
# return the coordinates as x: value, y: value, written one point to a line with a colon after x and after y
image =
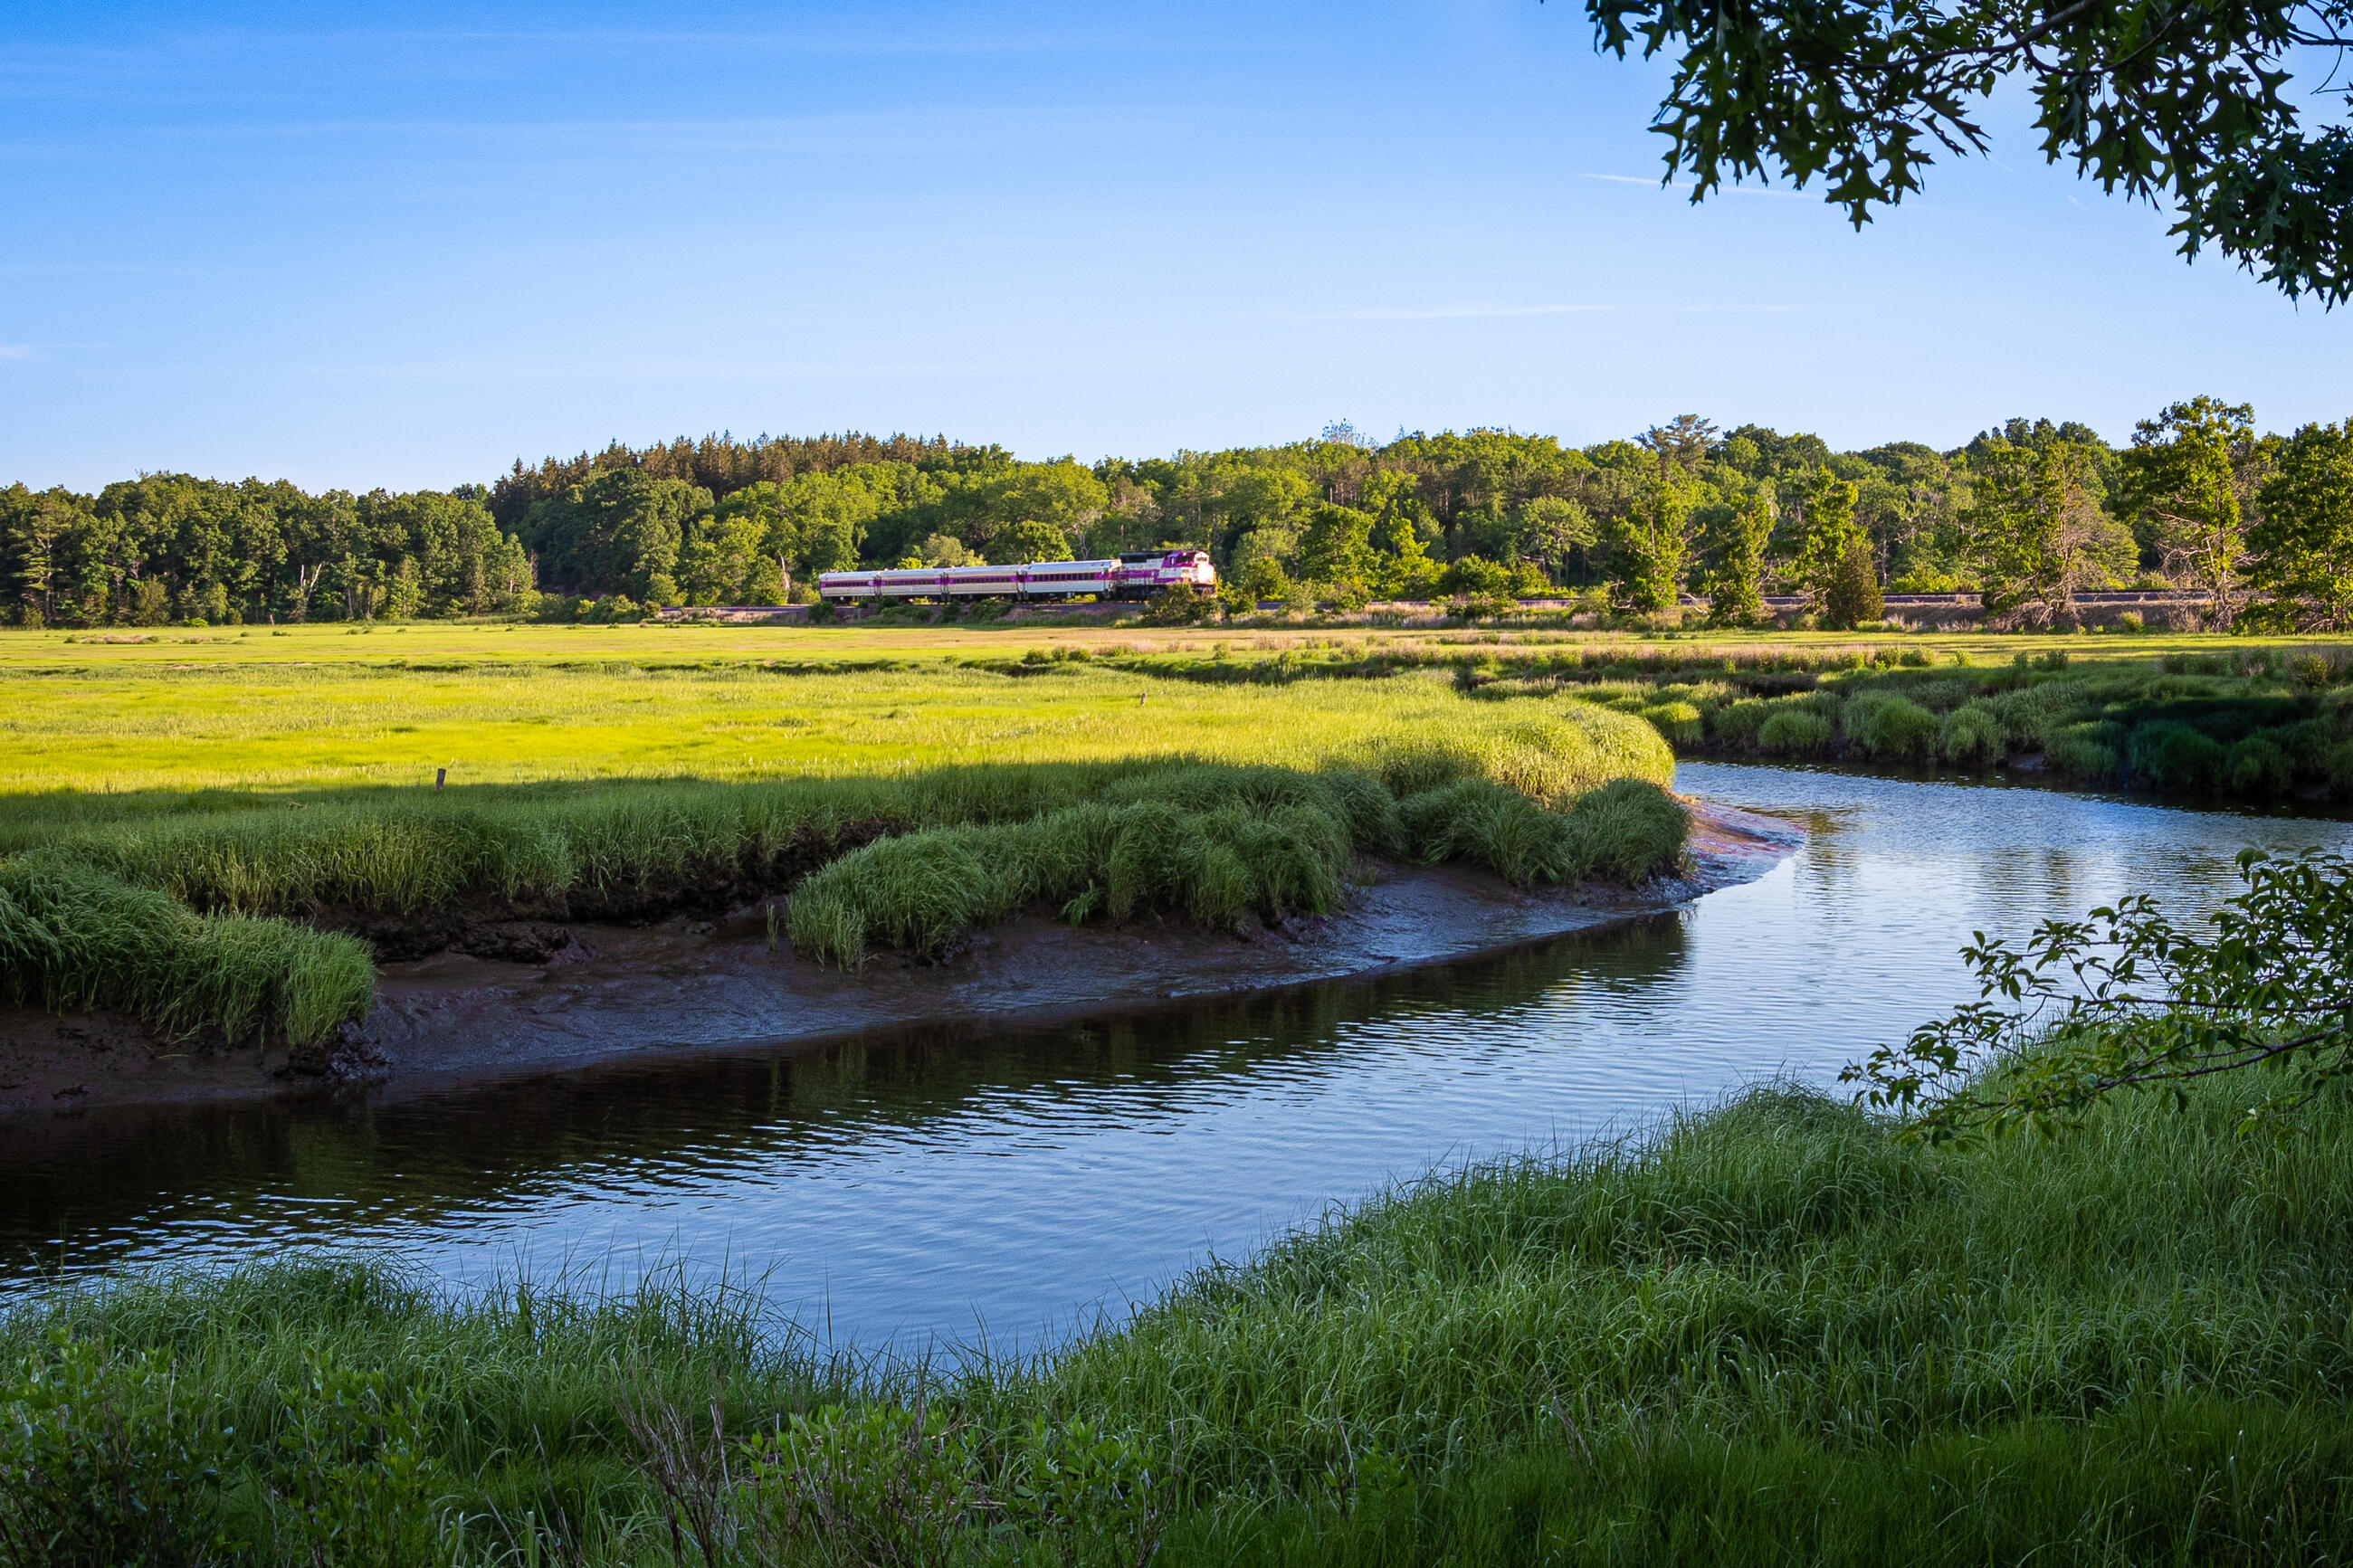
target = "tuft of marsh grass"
x: 1213, y: 844
x: 924, y: 890
x: 1972, y: 735
x: 74, y: 937
x: 1622, y: 832
x: 1892, y: 729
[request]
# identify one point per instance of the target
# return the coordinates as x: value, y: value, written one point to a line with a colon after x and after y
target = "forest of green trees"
x: 2026, y: 516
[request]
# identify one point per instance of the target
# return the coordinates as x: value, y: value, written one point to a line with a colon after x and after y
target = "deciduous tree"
x: 1031, y: 539
x: 2188, y: 471
x: 621, y: 530
x: 2302, y: 547
x: 1828, y: 534
x: 2129, y: 999
x: 1335, y: 547
x: 2037, y: 531
x: 1735, y: 575
x: 1649, y: 543
x: 1553, y: 529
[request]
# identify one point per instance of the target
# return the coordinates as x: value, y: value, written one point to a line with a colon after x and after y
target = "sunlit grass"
x: 335, y: 727
x: 603, y: 789
x: 323, y: 707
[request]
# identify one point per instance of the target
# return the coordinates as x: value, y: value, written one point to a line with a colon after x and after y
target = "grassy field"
x: 324, y: 708
x: 1770, y: 1334
x: 715, y: 712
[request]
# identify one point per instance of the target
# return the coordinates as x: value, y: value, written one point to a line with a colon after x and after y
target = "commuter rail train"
x: 1139, y: 576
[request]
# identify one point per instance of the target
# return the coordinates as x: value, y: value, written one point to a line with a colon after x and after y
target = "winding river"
x: 942, y: 1188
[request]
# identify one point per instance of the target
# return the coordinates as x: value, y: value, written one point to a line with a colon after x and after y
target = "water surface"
x: 943, y: 1184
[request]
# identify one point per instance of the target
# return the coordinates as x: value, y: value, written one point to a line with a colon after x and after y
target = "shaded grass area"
x: 1770, y: 1333
x: 2252, y: 724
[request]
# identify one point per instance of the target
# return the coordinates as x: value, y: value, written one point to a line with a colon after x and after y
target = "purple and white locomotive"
x: 1137, y: 575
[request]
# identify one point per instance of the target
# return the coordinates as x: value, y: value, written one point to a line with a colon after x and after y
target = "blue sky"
x: 405, y: 246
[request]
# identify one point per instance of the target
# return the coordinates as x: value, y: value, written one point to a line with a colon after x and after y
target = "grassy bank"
x: 1203, y: 821
x: 1771, y: 1334
x: 73, y: 938
x: 2251, y: 724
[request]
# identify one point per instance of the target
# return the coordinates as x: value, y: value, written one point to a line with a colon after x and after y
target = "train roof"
x: 984, y: 566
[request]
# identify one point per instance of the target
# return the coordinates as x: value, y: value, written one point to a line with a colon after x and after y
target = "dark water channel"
x: 946, y: 1181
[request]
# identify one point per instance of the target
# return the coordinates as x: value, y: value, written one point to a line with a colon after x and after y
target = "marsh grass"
x: 302, y: 732
x: 1147, y: 850
x: 1892, y: 729
x: 400, y: 851
x: 320, y: 709
x: 2257, y: 724
x: 1623, y: 832
x: 1768, y: 1332
x: 1214, y: 844
x: 1265, y: 821
x: 73, y: 937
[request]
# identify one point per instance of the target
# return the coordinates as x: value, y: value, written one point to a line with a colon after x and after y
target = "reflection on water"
x: 935, y: 1182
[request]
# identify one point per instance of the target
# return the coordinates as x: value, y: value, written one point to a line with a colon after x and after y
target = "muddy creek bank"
x: 532, y: 997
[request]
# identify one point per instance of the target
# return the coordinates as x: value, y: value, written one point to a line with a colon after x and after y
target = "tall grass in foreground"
x: 1771, y: 1333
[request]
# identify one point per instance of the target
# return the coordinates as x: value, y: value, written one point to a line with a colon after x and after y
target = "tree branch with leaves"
x: 2129, y: 1000
x: 2180, y: 103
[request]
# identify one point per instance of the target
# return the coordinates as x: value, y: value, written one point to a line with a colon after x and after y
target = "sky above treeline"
x: 406, y: 245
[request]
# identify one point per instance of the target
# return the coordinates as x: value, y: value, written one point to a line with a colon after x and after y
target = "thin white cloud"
x: 569, y: 371
x: 735, y: 134
x: 109, y: 268
x: 1684, y: 189
x: 43, y: 351
x: 1481, y: 312
x: 1432, y: 312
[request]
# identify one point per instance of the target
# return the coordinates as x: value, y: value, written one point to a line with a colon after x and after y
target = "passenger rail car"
x: 1139, y: 576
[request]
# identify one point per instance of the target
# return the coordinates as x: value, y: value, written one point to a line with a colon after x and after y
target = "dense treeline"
x: 2026, y: 516
x: 167, y: 547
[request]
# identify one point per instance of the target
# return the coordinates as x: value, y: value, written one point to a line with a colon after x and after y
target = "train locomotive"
x: 1140, y: 574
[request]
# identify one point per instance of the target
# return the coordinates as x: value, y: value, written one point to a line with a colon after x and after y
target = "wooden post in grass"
x: 440, y: 777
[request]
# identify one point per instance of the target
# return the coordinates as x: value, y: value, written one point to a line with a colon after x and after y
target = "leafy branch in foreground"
x: 2126, y: 999
x: 2179, y: 102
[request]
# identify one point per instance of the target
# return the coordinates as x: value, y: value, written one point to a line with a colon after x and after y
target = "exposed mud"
x: 504, y: 990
